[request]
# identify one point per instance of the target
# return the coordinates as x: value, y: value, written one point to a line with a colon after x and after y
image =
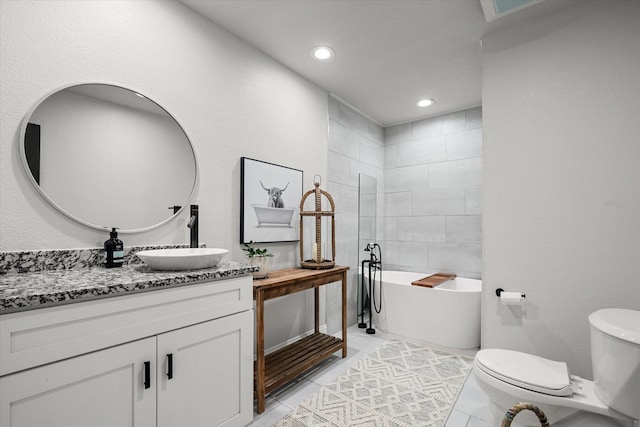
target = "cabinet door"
x: 211, y: 370
x: 105, y: 388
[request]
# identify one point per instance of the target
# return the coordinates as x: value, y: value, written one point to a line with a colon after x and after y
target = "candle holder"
x: 318, y: 259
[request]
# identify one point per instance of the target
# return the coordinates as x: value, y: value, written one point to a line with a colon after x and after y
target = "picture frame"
x: 269, y: 202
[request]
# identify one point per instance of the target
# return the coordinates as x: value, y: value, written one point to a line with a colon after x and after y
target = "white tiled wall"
x: 429, y: 201
x: 432, y: 200
x: 356, y: 145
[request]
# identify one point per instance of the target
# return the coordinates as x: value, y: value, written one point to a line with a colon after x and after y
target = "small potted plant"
x: 258, y: 257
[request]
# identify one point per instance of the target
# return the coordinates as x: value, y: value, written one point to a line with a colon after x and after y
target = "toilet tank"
x: 615, y: 358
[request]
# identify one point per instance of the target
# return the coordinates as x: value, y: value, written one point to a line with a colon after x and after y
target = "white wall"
x: 561, y: 218
x: 231, y: 100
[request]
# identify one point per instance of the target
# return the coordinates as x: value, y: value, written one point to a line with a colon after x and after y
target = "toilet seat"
x: 526, y: 371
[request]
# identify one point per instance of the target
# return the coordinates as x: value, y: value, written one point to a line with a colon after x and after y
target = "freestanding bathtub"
x: 447, y: 315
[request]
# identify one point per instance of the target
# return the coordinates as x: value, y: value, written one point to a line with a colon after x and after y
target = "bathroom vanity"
x: 163, y: 349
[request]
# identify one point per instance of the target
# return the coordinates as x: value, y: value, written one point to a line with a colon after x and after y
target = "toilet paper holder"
x: 500, y: 290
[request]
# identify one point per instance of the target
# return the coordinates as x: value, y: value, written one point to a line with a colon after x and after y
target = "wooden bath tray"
x: 434, y: 280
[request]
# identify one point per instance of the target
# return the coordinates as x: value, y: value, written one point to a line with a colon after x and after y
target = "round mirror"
x: 109, y: 157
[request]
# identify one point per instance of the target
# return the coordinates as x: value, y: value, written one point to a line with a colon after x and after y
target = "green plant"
x: 255, y: 252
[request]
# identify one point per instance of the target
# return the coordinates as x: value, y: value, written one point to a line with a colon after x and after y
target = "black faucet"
x: 374, y: 261
x: 193, y: 226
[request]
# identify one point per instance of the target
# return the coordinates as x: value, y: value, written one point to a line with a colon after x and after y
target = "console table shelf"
x: 277, y: 368
x: 287, y: 363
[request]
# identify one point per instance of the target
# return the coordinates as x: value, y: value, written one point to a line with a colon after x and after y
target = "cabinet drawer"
x: 35, y: 337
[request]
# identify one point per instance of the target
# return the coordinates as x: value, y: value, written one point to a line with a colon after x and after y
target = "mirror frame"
x: 27, y: 170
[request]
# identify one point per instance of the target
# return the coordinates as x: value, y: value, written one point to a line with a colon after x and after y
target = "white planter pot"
x: 263, y: 263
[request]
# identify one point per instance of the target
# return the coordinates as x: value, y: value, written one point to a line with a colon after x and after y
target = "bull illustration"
x: 275, y: 196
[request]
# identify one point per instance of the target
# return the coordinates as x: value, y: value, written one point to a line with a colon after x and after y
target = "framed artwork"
x: 269, y: 202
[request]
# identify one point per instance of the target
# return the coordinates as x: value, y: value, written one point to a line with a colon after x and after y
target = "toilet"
x: 611, y: 400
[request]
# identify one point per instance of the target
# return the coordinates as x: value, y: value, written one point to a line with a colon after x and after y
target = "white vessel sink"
x: 182, y: 258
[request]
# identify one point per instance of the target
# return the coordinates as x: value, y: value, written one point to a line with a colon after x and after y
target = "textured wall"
x: 561, y: 103
x: 231, y: 100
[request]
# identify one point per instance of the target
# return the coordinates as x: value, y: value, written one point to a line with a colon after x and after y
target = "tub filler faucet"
x: 375, y: 264
x: 193, y: 226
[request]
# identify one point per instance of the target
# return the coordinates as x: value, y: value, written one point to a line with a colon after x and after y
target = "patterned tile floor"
x: 470, y: 410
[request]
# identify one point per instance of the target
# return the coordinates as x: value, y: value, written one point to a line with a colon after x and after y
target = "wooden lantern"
x: 317, y: 260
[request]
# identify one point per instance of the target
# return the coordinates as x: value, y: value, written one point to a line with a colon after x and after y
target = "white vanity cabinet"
x: 180, y: 356
x: 104, y: 388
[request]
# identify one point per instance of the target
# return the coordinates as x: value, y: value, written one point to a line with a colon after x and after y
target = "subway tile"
x: 371, y: 153
x: 346, y: 227
x: 367, y: 205
x: 464, y: 145
x: 427, y: 127
x: 411, y: 228
x: 473, y: 200
x: 406, y: 253
x: 457, y: 173
x: 344, y: 196
x: 351, y: 119
x: 426, y: 150
x: 344, y: 141
x: 398, y: 133
x: 338, y: 167
x: 448, y: 201
x: 453, y: 122
x: 455, y: 256
x: 376, y: 132
x: 421, y: 228
x: 440, y: 125
x: 390, y: 156
x: 397, y: 204
x: 357, y: 167
x: 406, y: 178
x: 389, y: 228
x: 464, y: 229
x: 367, y: 228
x: 380, y: 205
x: 473, y: 118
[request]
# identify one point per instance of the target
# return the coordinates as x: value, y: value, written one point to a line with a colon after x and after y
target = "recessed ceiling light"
x: 425, y: 102
x: 322, y: 53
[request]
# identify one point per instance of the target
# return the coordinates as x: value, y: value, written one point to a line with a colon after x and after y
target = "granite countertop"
x: 40, y: 289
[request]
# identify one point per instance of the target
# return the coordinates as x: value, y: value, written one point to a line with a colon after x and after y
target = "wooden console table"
x: 281, y: 366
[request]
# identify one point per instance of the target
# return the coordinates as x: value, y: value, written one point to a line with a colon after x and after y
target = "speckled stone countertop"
x: 43, y: 288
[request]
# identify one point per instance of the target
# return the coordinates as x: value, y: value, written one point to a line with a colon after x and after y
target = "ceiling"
x: 389, y: 54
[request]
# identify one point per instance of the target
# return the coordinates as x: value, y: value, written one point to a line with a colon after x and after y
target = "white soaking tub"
x: 447, y: 315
